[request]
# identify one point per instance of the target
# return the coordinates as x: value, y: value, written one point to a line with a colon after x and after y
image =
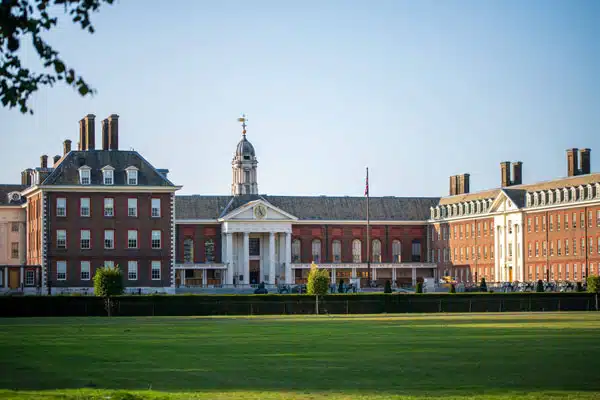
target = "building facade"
x: 96, y: 207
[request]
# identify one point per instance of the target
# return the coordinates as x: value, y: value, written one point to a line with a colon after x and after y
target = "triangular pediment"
x: 503, y: 203
x: 258, y: 210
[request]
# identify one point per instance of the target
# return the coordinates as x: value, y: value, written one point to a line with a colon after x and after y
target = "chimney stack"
x: 44, y: 161
x: 505, y: 173
x: 463, y: 184
x: 572, y: 163
x: 453, y: 185
x: 90, y: 132
x: 24, y: 177
x: 517, y: 173
x: 55, y: 159
x: 585, y: 160
x: 82, y: 145
x: 105, y: 134
x: 66, y: 147
x: 113, y: 129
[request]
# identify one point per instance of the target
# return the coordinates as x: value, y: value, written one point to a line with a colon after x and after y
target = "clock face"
x: 260, y: 211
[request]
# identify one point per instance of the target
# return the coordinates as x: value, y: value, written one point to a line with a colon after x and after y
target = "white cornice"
x: 559, y: 206
x: 197, y: 221
x: 356, y: 222
x: 99, y: 188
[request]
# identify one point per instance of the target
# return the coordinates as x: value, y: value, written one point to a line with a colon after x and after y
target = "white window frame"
x: 85, y: 273
x: 29, y: 277
x: 85, y: 175
x: 155, y: 207
x: 132, y: 270
x: 296, y: 251
x: 109, y: 207
x: 132, y: 176
x: 316, y: 250
x: 356, y: 251
x: 88, y: 239
x: 108, y: 263
x: 109, y: 237
x: 155, y: 266
x: 61, y: 270
x: 132, y: 207
x: 336, y: 251
x: 82, y: 209
x: 61, y: 209
x: 153, y: 239
x: 108, y: 175
x: 131, y: 236
x: 59, y: 240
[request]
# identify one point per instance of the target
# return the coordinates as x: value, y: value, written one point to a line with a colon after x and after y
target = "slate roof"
x: 517, y: 193
x: 6, y: 189
x: 67, y: 171
x: 317, y: 208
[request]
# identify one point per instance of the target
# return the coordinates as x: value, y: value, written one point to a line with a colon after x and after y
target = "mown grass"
x: 491, y: 356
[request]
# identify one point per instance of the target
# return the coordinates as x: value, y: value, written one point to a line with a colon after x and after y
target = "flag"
x: 367, y: 184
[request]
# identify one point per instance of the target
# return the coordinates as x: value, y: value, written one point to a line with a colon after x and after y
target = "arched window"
x: 337, y: 251
x: 356, y: 251
x: 209, y: 250
x: 396, y: 251
x: 376, y: 251
x: 296, y: 251
x: 188, y: 251
x: 416, y: 251
x: 316, y: 250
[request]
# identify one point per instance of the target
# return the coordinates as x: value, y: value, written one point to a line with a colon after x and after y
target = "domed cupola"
x: 244, y: 165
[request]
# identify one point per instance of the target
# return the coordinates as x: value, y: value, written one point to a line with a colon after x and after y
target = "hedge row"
x: 187, y: 305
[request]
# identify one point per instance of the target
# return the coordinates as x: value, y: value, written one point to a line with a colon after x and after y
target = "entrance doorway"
x: 254, y: 272
x: 13, y: 278
x: 510, y: 274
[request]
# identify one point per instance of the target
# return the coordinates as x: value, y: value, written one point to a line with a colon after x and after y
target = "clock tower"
x: 244, y: 165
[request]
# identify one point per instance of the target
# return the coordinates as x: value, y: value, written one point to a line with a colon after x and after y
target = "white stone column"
x: 22, y: 275
x: 246, y: 259
x: 5, y: 277
x: 393, y: 275
x: 204, y: 278
x: 333, y: 275
x: 289, y: 278
x: 374, y: 273
x: 414, y: 276
x: 229, y: 258
x: 272, y: 258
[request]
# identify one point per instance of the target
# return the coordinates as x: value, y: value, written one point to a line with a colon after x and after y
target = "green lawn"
x: 495, y: 356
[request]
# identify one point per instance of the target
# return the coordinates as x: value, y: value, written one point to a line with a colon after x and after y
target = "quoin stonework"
x: 91, y: 207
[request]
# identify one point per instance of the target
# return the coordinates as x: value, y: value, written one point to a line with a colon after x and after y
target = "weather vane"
x: 243, y: 119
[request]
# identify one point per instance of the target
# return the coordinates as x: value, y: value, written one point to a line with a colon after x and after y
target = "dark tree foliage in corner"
x: 22, y: 20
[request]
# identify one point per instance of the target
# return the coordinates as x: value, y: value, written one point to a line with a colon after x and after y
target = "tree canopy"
x: 29, y: 19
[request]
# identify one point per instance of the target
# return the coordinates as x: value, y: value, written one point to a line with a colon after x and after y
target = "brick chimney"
x: 572, y: 163
x: 44, y: 161
x: 585, y: 161
x: 505, y: 173
x: 113, y: 129
x: 453, y: 185
x: 105, y: 134
x: 55, y: 159
x: 82, y: 145
x: 66, y: 147
x: 26, y: 177
x: 517, y: 173
x: 463, y: 184
x: 90, y: 132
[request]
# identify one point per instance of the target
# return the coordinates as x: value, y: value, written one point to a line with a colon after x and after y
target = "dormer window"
x: 108, y: 175
x: 85, y: 175
x: 132, y: 175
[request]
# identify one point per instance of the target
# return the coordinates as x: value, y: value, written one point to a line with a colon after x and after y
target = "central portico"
x: 257, y: 244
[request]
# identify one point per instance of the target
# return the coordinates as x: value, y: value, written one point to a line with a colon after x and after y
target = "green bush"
x: 452, y: 288
x: 483, y: 285
x: 419, y: 288
x: 540, y: 286
x: 108, y: 282
x: 593, y: 284
x: 388, y: 287
x: 318, y: 281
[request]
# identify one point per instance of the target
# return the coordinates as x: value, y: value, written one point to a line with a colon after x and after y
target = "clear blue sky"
x: 416, y: 90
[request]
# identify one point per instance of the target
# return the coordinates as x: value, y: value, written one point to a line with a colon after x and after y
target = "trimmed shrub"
x: 419, y: 288
x: 452, y: 288
x: 108, y: 282
x: 539, y: 287
x: 318, y: 281
x: 579, y: 287
x: 388, y: 287
x: 593, y: 284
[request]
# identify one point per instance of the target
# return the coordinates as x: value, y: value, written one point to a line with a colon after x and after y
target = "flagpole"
x: 368, y: 235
